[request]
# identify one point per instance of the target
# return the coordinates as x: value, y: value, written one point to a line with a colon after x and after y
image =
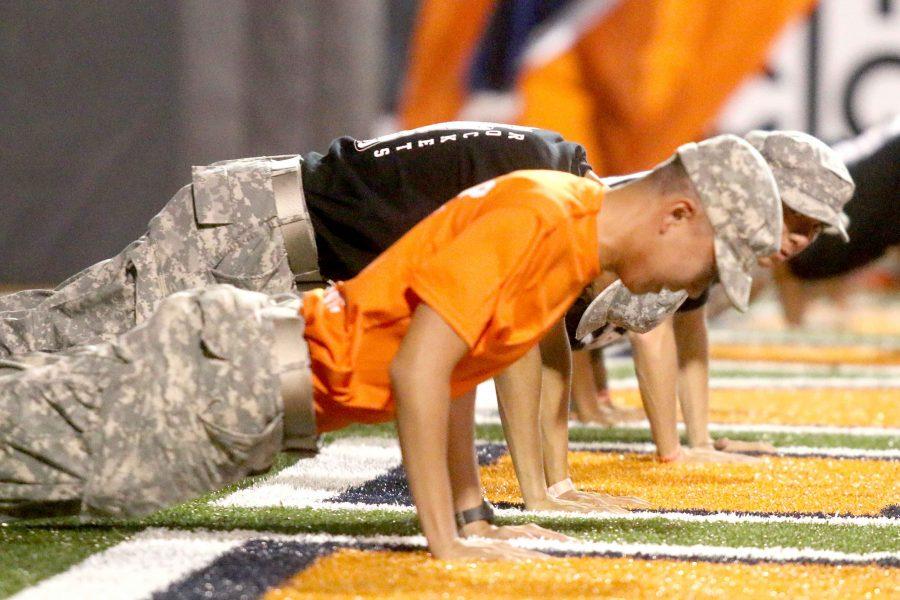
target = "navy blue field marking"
x: 753, y: 453
x: 882, y: 562
x: 392, y: 487
x: 890, y: 512
x: 247, y: 571
x: 257, y: 566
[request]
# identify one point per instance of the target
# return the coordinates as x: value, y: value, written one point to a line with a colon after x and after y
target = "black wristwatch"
x: 484, y: 512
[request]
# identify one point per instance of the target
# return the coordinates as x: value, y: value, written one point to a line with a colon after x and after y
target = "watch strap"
x: 482, y: 512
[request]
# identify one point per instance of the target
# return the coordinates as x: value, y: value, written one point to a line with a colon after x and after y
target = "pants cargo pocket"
x: 256, y: 261
x: 266, y: 281
x: 97, y: 306
x: 248, y: 452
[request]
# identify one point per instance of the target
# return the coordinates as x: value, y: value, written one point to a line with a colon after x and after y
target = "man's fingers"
x: 492, y: 550
x: 502, y: 550
x: 528, y: 531
x: 600, y: 502
x: 631, y: 502
x: 609, y: 499
x: 601, y: 506
x: 727, y: 445
x: 706, y: 455
x: 536, y: 531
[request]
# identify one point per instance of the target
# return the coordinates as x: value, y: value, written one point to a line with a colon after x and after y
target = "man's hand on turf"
x: 601, y: 500
x: 711, y: 455
x: 483, y: 529
x: 726, y: 445
x: 460, y: 549
x: 560, y: 504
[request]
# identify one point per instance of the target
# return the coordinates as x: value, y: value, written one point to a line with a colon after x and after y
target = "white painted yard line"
x: 719, y: 517
x: 800, y: 451
x: 156, y: 558
x: 772, y: 428
x: 287, y: 489
x: 344, y: 463
x: 826, y: 370
x: 720, y: 365
x: 775, y: 554
x: 751, y: 337
x: 686, y: 517
x: 135, y: 568
x: 779, y: 383
x: 491, y: 417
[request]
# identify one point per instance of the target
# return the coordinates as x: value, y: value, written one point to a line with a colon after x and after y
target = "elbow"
x: 398, y: 371
x: 410, y: 373
x: 403, y: 372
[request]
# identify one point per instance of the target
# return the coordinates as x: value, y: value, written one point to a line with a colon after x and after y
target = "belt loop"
x: 291, y: 358
x: 293, y: 216
x: 290, y: 203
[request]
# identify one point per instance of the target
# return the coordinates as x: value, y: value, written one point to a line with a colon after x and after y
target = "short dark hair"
x: 671, y: 178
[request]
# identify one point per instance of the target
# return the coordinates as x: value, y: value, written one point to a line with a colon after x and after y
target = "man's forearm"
x: 420, y: 379
x: 556, y: 379
x: 422, y: 428
x: 693, y: 374
x: 519, y: 396
x: 656, y: 366
x: 461, y: 459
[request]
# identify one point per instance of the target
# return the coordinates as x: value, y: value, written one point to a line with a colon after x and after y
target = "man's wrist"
x: 476, y: 529
x: 560, y: 487
x: 482, y: 512
x: 438, y: 548
x: 667, y: 457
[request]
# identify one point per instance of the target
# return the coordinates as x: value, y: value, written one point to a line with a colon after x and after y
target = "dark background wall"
x: 105, y: 105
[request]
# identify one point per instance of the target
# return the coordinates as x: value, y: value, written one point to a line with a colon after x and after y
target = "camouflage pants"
x: 224, y: 228
x: 183, y: 404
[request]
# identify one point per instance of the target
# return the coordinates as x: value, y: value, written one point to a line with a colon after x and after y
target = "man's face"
x: 679, y: 255
x: 797, y: 232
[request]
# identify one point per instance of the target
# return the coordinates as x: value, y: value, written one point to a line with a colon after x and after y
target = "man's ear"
x: 680, y: 209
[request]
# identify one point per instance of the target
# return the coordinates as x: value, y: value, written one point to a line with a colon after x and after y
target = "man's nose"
x: 798, y: 243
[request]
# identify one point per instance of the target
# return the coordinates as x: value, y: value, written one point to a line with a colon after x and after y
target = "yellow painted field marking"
x: 355, y: 573
x: 848, y: 407
x: 856, y: 355
x: 779, y: 484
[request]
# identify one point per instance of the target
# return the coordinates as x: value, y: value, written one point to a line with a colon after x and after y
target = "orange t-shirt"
x: 501, y: 263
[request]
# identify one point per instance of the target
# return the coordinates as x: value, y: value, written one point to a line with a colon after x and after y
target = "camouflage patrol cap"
x: 811, y: 178
x: 617, y: 307
x: 741, y: 199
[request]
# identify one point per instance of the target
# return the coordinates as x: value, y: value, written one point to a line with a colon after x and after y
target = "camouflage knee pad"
x: 47, y: 402
x: 200, y: 409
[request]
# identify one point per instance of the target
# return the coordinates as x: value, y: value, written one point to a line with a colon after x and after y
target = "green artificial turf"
x: 28, y: 555
x: 494, y: 433
x: 776, y: 371
x: 33, y: 549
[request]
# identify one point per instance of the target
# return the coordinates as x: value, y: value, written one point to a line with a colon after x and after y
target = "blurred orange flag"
x: 644, y: 78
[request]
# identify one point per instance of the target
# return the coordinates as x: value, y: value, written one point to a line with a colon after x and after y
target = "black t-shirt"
x: 694, y: 303
x: 363, y: 195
